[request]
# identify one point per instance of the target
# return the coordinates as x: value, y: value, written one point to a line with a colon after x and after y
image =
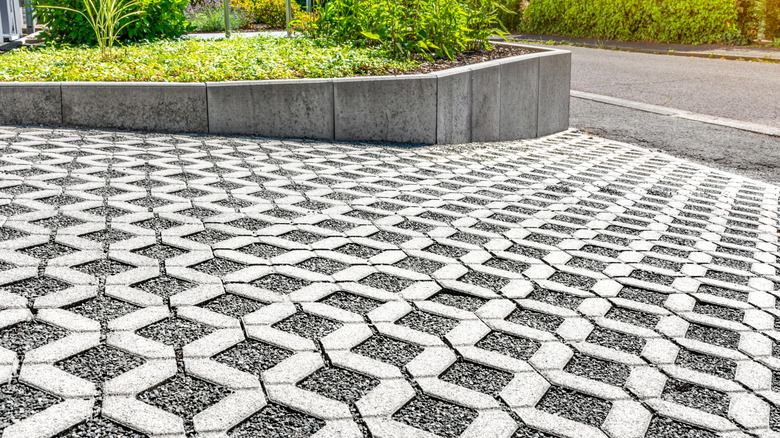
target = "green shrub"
x: 427, y: 27
x: 209, y: 16
x: 270, y: 12
x: 772, y: 19
x: 161, y: 19
x: 678, y: 21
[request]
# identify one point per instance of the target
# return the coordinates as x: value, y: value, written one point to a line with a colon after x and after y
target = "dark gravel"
x: 512, y: 346
x: 647, y: 320
x: 103, y: 308
x: 458, y: 299
x: 32, y: 288
x: 446, y: 250
x: 488, y: 281
x: 164, y: 286
x: 652, y: 277
x: 662, y: 427
x: 175, y: 331
x: 534, y: 319
x: 209, y: 236
x: 662, y: 263
x: 277, y: 421
x: 339, y: 384
x: 99, y: 428
x: 719, y: 311
x: 418, y: 264
x: 159, y: 251
x: 351, y: 302
x: 322, y: 265
x: 103, y: 268
x: 100, y: 364
x: 308, y: 326
x: 359, y: 251
x: 388, y: 282
x: 218, y: 267
x: 157, y: 223
x: 388, y: 350
x: 619, y: 341
x: 608, y: 238
x: 29, y: 335
x: 561, y: 299
x: 575, y: 406
x: 19, y: 401
x: 525, y: 431
x: 717, y: 366
x: 427, y: 322
x: 713, y: 335
x: 253, y: 357
x: 697, y: 397
x: 232, y: 305
x: 248, y: 223
x: 477, y: 377
x: 281, y: 283
x: 727, y: 277
x: 48, y: 251
x: 436, y: 416
x: 665, y: 250
x: 642, y: 295
x: 598, y: 369
x: 589, y: 264
x: 262, y: 250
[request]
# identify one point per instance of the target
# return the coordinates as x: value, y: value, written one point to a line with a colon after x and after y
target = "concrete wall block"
x: 453, y: 124
x: 519, y: 98
x: 277, y: 108
x: 554, y: 90
x: 399, y: 109
x: 31, y: 103
x: 136, y: 106
x: 486, y: 102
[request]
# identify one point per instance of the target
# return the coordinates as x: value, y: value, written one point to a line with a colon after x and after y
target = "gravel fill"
x: 427, y: 322
x: 536, y: 320
x: 665, y: 250
x: 99, y: 364
x: 253, y: 357
x: 103, y: 308
x: 589, y: 264
x: 351, y: 302
x: 303, y: 237
x: 661, y: 263
x: 63, y: 200
x: 103, y: 268
x: 705, y: 363
x: 647, y: 320
x: 438, y: 217
x: 507, y: 265
x: 388, y: 282
x: 388, y: 350
x: 697, y: 397
x: 280, y: 283
x: 149, y: 202
x: 510, y: 219
x: 525, y: 431
x: 308, y: 326
x: 713, y: 335
x: 176, y: 332
x: 333, y: 224
x: 7, y: 234
x: 99, y: 428
x: 359, y: 251
x: 652, y: 277
x: 218, y: 266
x: 436, y: 416
x: 559, y: 229
x: 598, y: 369
x: 32, y: 288
x: 9, y: 210
x: 719, y: 311
x: 608, y: 238
x: 488, y: 281
x: 209, y: 236
x: 159, y: 251
x: 48, y: 251
x: 409, y: 224
x: 157, y: 223
x: 723, y: 292
x: 642, y: 295
x: 561, y: 299
x: 512, y: 346
x: 339, y: 384
x: 573, y: 280
x: 232, y: 305
x: 365, y: 215
x: 472, y: 239
x: 29, y: 335
x: 527, y: 251
x: 262, y: 250
x: 734, y: 251
x: 185, y: 396
x: 248, y: 223
x: 731, y: 263
x: 446, y: 250
x: 277, y: 421
x: 418, y: 264
x: 619, y: 341
x: 108, y: 212
x: 164, y: 286
x: 543, y: 239
x: 19, y: 401
x: 662, y: 427
x: 727, y: 277
x: 575, y: 406
x: 477, y: 377
x: 322, y: 265
x: 198, y: 212
x: 459, y: 300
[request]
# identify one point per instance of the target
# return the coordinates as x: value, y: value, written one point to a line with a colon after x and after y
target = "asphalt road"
x: 747, y: 91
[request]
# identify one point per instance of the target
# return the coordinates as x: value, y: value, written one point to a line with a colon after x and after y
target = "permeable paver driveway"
x: 157, y: 285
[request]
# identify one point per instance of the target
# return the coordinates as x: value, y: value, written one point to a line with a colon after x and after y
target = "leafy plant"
x: 209, y: 16
x: 442, y: 28
x: 65, y: 25
x: 678, y: 21
x: 270, y: 12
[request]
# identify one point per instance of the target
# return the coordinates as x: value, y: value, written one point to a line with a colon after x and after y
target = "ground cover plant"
x: 191, y: 60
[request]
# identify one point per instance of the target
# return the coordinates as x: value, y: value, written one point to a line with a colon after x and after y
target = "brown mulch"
x: 467, y: 58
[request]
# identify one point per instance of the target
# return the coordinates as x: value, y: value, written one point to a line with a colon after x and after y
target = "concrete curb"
x: 508, y: 99
x: 678, y: 113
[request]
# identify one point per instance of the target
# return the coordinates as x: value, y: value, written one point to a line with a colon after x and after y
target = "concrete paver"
x: 167, y: 285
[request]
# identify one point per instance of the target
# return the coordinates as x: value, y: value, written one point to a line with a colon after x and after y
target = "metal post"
x: 28, y: 12
x: 227, y: 18
x: 288, y: 16
x: 308, y: 6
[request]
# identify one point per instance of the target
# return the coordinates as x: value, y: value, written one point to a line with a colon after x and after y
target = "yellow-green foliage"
x: 269, y: 12
x: 198, y: 61
x: 671, y: 21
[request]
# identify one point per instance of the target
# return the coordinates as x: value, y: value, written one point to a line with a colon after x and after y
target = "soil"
x: 466, y: 58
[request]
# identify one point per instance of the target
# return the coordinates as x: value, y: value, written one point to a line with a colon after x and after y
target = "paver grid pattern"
x: 158, y: 285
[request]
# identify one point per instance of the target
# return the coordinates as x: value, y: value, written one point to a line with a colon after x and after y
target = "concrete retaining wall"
x: 509, y: 99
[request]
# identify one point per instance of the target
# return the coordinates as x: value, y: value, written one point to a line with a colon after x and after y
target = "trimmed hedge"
x: 668, y: 21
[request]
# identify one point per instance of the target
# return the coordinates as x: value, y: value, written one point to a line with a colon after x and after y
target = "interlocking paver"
x: 590, y: 288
